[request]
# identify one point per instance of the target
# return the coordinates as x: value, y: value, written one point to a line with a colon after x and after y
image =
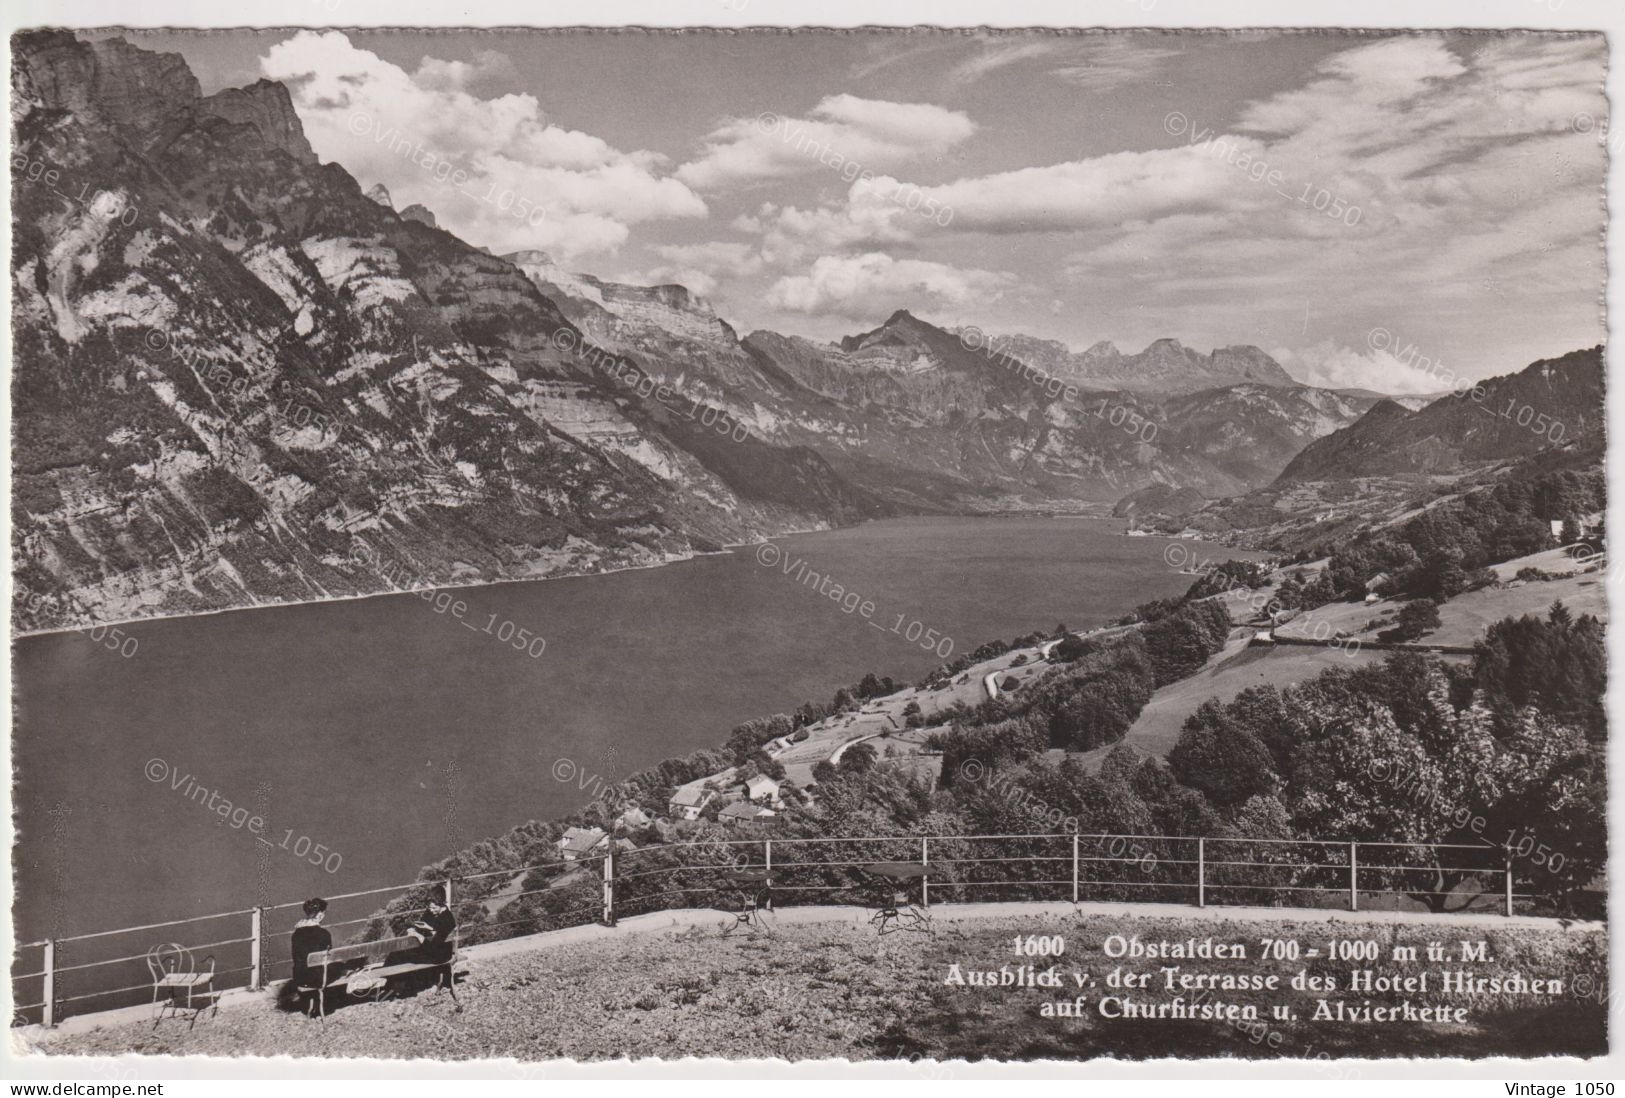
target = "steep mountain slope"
x: 239, y: 379
x: 1552, y: 402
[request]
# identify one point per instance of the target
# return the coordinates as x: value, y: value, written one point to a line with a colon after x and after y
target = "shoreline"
x: 727, y: 548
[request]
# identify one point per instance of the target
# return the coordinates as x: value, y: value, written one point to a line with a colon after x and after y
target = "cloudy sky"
x: 1297, y: 191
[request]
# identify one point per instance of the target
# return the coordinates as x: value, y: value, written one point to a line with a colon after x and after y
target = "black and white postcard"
x: 901, y: 544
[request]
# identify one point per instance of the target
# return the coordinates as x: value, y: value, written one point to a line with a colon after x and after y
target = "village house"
x: 582, y: 842
x: 762, y: 789
x: 689, y: 801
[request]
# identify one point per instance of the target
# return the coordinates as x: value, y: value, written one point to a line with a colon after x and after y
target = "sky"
x: 1391, y: 212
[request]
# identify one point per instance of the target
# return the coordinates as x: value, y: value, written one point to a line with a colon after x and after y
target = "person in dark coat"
x: 433, y: 930
x: 309, y: 936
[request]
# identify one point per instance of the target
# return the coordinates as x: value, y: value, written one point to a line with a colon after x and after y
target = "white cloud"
x: 844, y: 136
x: 998, y: 54
x: 790, y: 234
x: 1082, y: 194
x: 411, y: 131
x: 1112, y: 61
x: 703, y: 267
x: 863, y: 287
x: 1332, y: 365
x: 1443, y: 191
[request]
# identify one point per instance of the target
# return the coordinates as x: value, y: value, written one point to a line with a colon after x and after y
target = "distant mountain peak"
x: 380, y: 194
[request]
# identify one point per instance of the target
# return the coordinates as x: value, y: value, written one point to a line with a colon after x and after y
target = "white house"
x: 762, y: 789
x: 582, y: 842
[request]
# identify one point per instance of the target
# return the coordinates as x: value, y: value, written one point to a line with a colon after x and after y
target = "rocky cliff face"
x: 239, y: 380
x: 242, y: 379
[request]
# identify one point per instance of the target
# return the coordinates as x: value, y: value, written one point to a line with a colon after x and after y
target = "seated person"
x: 309, y: 936
x: 433, y: 931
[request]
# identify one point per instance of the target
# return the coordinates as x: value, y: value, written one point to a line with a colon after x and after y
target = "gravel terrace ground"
x: 833, y: 989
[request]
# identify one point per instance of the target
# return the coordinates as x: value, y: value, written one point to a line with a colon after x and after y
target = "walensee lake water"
x: 371, y: 737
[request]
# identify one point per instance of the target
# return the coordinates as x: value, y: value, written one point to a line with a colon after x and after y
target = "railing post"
x: 256, y: 970
x: 767, y: 855
x: 1074, y: 867
x: 449, y: 896
x: 49, y: 996
x: 609, y: 887
x: 1201, y: 872
x: 925, y: 881
x: 1509, y: 881
x: 1354, y: 876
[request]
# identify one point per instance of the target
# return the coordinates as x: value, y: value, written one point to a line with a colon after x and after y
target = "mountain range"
x: 1166, y: 366
x: 1551, y: 402
x: 242, y: 378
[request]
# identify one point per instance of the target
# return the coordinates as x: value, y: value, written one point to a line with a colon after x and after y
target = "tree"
x: 1221, y: 757
x: 970, y: 754
x: 1414, y: 618
x: 1559, y: 665
x: 857, y: 758
x: 1071, y: 649
x: 1181, y: 642
x: 1398, y: 756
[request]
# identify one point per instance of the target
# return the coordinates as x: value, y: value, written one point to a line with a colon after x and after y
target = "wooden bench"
x: 374, y: 953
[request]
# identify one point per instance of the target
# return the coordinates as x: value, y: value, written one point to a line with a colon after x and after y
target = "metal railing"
x: 105, y: 968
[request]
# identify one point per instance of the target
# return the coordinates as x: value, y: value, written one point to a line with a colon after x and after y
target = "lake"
x: 378, y: 735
